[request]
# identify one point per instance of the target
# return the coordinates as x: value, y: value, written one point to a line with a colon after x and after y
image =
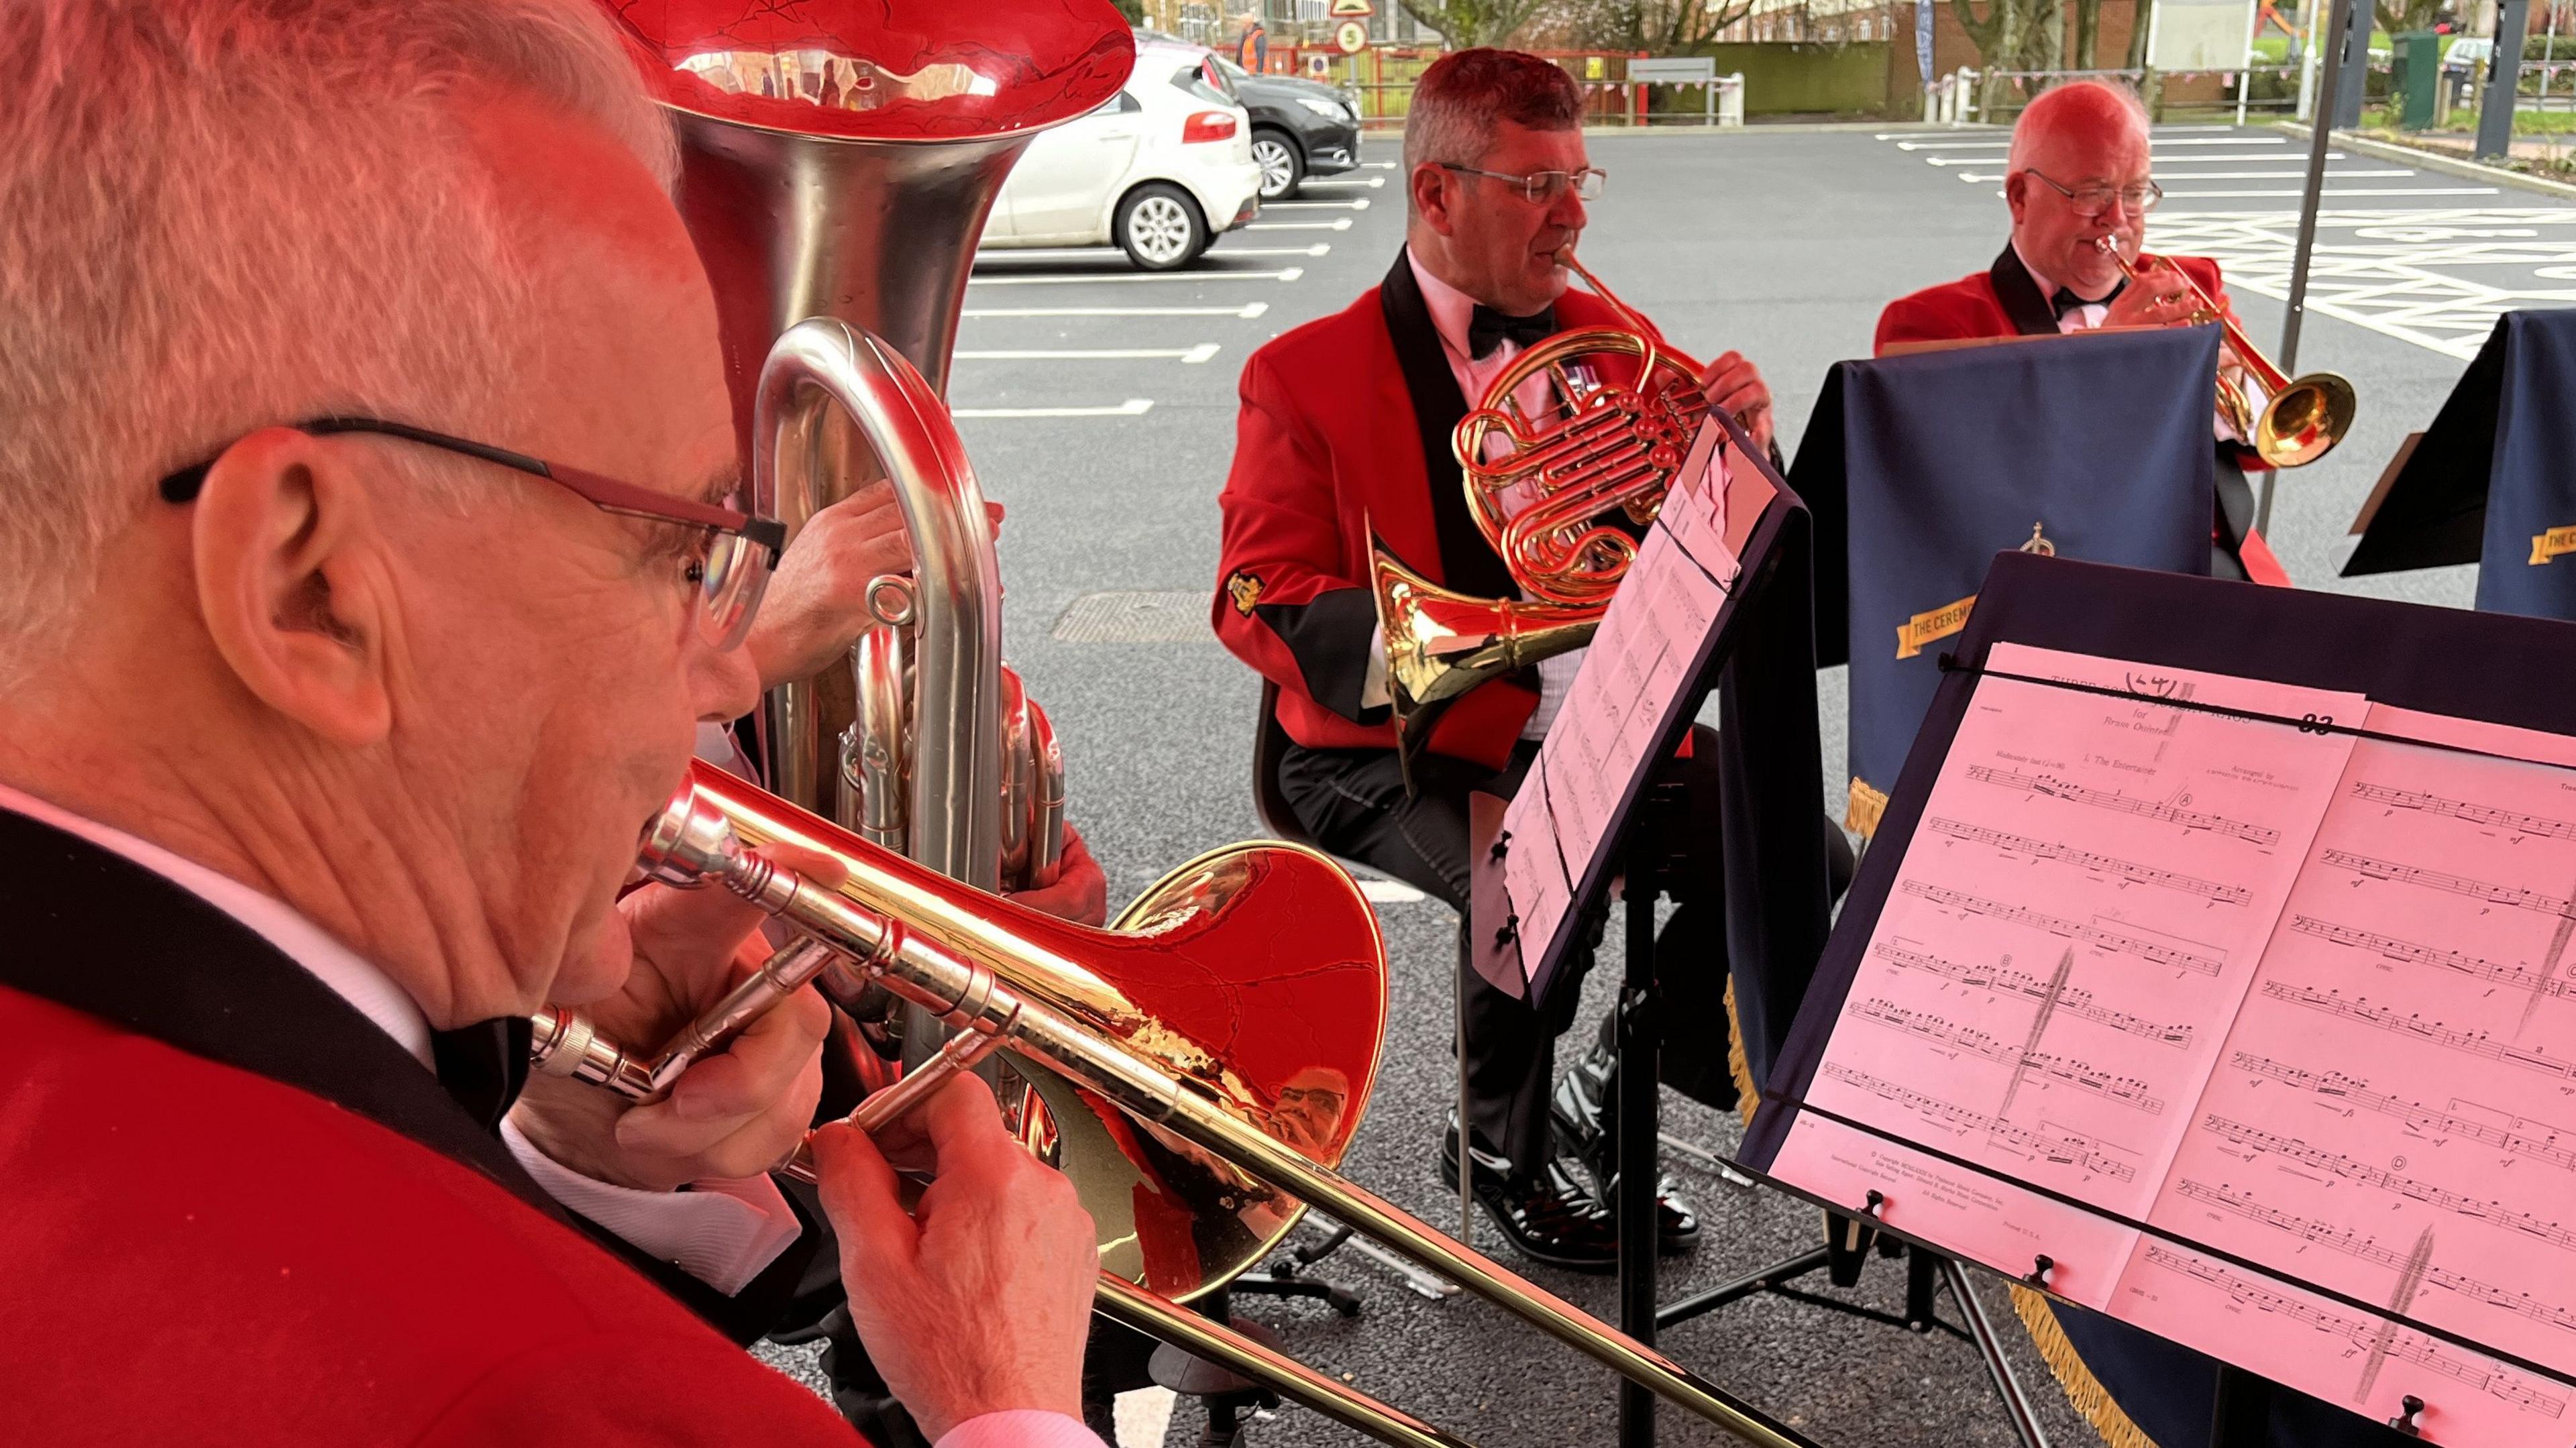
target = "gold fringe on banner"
x: 2084, y: 1392
x: 1746, y: 1096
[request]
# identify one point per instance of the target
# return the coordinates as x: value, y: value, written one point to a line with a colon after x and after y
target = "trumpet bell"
x: 1255, y: 975
x: 2304, y: 420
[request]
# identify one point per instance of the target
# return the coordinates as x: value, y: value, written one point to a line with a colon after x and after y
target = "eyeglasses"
x: 1543, y: 187
x: 730, y: 568
x: 2092, y: 201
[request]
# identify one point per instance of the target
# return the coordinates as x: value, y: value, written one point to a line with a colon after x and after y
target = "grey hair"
x: 219, y: 215
x: 2094, y: 103
x: 1458, y: 100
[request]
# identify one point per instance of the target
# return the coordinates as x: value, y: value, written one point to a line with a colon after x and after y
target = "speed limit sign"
x: 1351, y: 36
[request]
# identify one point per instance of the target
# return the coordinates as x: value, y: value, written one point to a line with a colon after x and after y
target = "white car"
x: 1159, y: 170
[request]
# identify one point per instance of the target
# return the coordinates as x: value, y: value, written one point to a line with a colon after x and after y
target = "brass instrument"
x: 1205, y: 1081
x: 2305, y: 416
x: 1606, y: 446
x: 835, y: 173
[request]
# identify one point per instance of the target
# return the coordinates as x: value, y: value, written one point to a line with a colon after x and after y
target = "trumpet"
x: 1203, y: 1082
x: 1608, y: 447
x: 2305, y: 416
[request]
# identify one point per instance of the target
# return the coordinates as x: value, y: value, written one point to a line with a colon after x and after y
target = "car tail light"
x: 1207, y: 126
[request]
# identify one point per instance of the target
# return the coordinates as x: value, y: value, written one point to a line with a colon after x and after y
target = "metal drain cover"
x: 1136, y: 618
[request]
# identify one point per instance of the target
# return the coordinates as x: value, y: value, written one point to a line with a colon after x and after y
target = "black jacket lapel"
x: 2030, y: 312
x: 1467, y: 562
x: 101, y: 934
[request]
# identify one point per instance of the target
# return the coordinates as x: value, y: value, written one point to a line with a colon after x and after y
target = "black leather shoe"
x: 1548, y: 1215
x: 1580, y: 1113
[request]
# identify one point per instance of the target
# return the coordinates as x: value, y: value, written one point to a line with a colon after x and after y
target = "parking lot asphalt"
x: 1098, y: 404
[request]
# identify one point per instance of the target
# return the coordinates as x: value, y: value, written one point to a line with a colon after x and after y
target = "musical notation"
x: 2425, y: 1352
x: 2432, y: 955
x: 2513, y: 895
x: 2074, y: 1000
x: 2511, y: 821
x: 2150, y: 951
x: 2386, y: 1179
x: 2473, y: 1043
x: 2111, y: 799
x: 2127, y: 1091
x: 2413, y: 1262
x: 2431, y: 1120
x: 2113, y: 865
x: 2064, y: 1148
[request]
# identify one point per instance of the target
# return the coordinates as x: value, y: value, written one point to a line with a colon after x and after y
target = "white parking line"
x: 1203, y: 278
x: 2194, y: 158
x: 1356, y: 204
x: 1199, y: 353
x: 1248, y: 311
x: 2351, y: 191
x: 1321, y: 248
x: 1132, y: 407
x: 1378, y: 165
x: 2295, y: 173
x: 1371, y: 182
x: 1338, y: 223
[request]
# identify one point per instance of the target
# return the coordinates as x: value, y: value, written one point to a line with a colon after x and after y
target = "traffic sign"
x: 1352, y: 37
x: 1353, y: 9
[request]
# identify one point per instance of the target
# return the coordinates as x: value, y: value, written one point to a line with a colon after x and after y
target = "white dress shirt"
x: 1451, y: 311
x: 2075, y: 319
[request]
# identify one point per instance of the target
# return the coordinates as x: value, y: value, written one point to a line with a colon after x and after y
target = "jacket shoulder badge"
x: 1245, y: 590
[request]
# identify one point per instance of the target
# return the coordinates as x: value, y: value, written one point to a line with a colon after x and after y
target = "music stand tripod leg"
x: 1981, y: 1330
x: 1638, y: 1078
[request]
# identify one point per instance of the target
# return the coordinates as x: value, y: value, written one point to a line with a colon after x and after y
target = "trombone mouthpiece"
x: 687, y: 843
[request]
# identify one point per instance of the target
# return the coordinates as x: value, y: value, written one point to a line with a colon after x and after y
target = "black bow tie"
x: 1486, y: 329
x: 2065, y: 301
x: 484, y: 1065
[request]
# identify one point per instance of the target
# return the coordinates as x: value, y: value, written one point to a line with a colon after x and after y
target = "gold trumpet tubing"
x: 971, y: 988
x: 1604, y: 414
x: 1637, y: 324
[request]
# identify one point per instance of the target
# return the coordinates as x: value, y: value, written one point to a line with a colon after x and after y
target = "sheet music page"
x: 2393, y: 1116
x: 2075, y: 921
x: 1638, y: 662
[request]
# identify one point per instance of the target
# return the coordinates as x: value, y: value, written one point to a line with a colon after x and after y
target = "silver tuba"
x: 838, y: 160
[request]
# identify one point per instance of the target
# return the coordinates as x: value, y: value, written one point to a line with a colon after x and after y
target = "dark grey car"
x: 1300, y: 128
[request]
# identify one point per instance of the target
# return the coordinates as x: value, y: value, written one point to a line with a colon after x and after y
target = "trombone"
x: 2306, y: 416
x: 1200, y: 1080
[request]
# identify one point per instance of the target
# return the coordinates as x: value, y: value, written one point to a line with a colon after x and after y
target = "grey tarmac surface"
x: 1783, y: 245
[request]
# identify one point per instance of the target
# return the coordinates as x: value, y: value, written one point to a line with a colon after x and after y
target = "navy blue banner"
x: 2094, y: 447
x: 2528, y: 565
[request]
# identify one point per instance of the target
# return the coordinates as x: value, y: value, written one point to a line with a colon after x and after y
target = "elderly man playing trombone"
x: 325, y: 728
x: 2077, y: 180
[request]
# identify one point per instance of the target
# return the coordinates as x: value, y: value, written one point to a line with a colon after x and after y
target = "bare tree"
x: 1474, y: 22
x: 1658, y: 27
x: 2013, y: 35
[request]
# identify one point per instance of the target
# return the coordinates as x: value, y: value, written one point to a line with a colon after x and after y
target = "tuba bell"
x: 1542, y: 504
x: 838, y: 158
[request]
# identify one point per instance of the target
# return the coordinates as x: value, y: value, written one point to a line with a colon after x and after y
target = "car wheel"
x: 1160, y: 228
x: 1282, y: 165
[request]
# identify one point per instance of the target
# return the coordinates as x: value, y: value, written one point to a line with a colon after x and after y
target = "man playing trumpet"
x: 2077, y: 180
x: 326, y: 726
x: 1345, y: 429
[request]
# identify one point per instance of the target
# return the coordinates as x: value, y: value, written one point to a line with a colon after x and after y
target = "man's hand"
x: 980, y: 1300
x: 1080, y: 892
x: 733, y: 1114
x: 1734, y: 385
x: 2159, y: 296
x: 816, y: 605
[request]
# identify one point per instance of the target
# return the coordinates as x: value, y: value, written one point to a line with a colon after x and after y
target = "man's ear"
x: 293, y: 585
x: 2017, y: 193
x: 1430, y: 184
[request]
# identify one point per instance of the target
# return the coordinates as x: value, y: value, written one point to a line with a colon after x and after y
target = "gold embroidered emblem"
x: 2545, y: 546
x: 1245, y: 590
x: 1864, y: 810
x: 1937, y: 624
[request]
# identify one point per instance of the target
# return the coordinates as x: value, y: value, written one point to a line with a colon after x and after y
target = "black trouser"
x: 1353, y: 801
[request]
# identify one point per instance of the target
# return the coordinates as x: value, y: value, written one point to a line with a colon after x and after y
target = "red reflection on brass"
x: 882, y: 69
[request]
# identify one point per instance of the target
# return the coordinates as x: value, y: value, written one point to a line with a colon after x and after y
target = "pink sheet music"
x: 1636, y: 664
x: 2301, y: 998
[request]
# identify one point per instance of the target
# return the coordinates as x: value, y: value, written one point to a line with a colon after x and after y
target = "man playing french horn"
x: 326, y: 725
x: 1345, y: 431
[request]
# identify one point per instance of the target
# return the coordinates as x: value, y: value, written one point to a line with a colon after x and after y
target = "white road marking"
x: 1378, y: 165
x: 1371, y: 182
x: 1321, y: 248
x: 1203, y: 278
x: 2333, y: 191
x: 1199, y: 353
x: 2159, y: 141
x: 1390, y: 892
x: 1248, y: 311
x: 1356, y: 204
x: 2195, y: 157
x: 2374, y: 268
x: 1338, y: 223
x: 1132, y: 407
x: 2167, y: 178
